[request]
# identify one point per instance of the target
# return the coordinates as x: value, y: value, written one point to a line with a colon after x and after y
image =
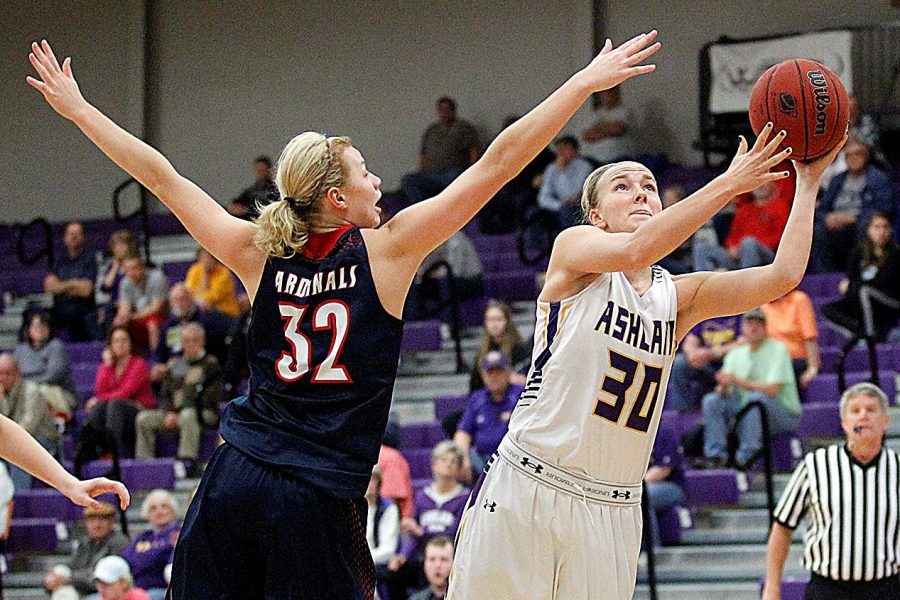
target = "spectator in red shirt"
x: 121, y: 390
x: 755, y: 232
x: 396, y: 481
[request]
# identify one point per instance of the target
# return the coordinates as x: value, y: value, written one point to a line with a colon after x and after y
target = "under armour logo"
x: 620, y: 494
x: 536, y: 466
x: 489, y: 506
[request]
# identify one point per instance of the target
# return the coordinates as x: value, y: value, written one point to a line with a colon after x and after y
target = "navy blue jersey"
x: 323, y: 356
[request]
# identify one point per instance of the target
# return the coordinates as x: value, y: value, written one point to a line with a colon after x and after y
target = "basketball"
x: 805, y: 99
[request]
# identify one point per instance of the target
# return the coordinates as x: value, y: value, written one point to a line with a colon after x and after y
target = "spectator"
x: 7, y: 491
x: 850, y: 495
x: 183, y: 310
x: 695, y: 367
x: 21, y: 401
x: 43, y: 359
x: 122, y: 389
x: 438, y: 564
x: 761, y: 370
x: 560, y: 194
x: 608, y: 139
x: 142, y: 302
x: 71, y: 283
x: 189, y: 400
x: 382, y: 527
x: 500, y: 333
x: 755, y: 232
x: 99, y: 538
x: 431, y: 290
x: 449, y: 146
x: 439, y: 507
x: 486, y: 418
x: 211, y: 284
x: 58, y: 584
x: 873, y: 276
x: 680, y: 260
x: 847, y: 206
x: 664, y: 477
x: 149, y: 552
x: 791, y: 320
x: 263, y: 190
x: 110, y: 275
x: 114, y: 581
x: 394, y: 480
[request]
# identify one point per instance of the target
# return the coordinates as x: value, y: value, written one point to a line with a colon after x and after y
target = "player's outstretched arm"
x: 228, y: 238
x: 589, y: 249
x: 705, y: 295
x: 424, y: 226
x: 23, y: 451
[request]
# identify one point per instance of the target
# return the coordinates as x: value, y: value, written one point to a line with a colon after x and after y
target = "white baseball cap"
x: 111, y: 569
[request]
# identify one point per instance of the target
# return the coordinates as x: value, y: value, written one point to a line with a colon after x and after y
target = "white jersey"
x: 595, y: 391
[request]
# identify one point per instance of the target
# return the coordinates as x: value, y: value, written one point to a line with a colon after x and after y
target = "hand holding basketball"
x: 810, y: 171
x: 614, y: 65
x: 750, y: 168
x: 56, y: 83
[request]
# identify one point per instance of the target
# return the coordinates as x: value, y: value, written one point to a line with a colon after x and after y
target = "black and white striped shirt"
x: 853, y: 509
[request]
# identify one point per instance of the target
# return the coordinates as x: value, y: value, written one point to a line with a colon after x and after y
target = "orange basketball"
x: 805, y: 99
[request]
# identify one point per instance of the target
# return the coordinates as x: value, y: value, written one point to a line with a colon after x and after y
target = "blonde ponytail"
x: 309, y: 166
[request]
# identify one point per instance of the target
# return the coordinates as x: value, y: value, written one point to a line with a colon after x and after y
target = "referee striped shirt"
x: 853, y: 513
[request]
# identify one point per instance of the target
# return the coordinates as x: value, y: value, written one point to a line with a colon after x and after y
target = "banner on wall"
x: 735, y: 68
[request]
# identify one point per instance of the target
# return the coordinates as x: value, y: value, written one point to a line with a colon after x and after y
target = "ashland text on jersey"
x: 323, y: 356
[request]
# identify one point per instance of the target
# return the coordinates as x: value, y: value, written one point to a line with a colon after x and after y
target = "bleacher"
x: 717, y: 540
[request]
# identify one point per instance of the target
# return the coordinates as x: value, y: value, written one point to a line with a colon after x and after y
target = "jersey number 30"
x: 291, y: 366
x: 648, y: 393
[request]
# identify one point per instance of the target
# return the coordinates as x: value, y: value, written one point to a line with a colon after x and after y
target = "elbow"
x: 637, y: 253
x: 790, y: 278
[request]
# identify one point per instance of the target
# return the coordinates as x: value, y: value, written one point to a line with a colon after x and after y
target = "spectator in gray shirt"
x: 43, y: 359
x: 142, y: 302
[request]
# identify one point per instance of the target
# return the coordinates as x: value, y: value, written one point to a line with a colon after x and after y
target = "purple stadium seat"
x: 712, y: 486
x: 501, y: 261
x: 822, y: 389
x: 45, y: 503
x: 85, y: 353
x: 176, y: 271
x: 819, y: 420
x: 819, y: 285
x: 421, y: 335
x: 420, y: 435
x: 493, y: 244
x: 419, y: 461
x: 669, y: 526
x: 471, y: 311
x: 786, y: 452
x: 829, y: 337
x: 148, y: 474
x: 517, y: 285
x: 792, y: 588
x: 444, y: 405
x: 680, y: 423
x: 68, y: 446
x: 32, y: 535
x: 84, y: 375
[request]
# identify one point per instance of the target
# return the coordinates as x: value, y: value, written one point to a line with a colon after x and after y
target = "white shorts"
x: 532, y: 531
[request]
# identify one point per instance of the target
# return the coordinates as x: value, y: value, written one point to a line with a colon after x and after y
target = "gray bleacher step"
x: 441, y: 362
x: 423, y: 388
x: 741, y: 562
x: 723, y: 536
x: 172, y: 248
x: 29, y: 593
x: 740, y: 590
x: 734, y: 517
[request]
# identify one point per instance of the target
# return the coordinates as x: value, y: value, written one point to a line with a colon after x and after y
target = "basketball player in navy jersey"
x: 280, y: 511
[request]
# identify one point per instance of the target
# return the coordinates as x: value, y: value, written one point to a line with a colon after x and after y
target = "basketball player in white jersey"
x: 557, y: 514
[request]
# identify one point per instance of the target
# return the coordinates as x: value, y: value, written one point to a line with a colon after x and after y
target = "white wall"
x: 233, y: 80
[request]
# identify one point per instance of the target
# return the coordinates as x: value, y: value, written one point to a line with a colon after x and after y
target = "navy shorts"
x: 254, y: 533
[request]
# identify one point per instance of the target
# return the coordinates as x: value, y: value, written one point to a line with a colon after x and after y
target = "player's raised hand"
x: 811, y: 171
x: 83, y: 493
x: 56, y: 83
x: 752, y: 166
x: 614, y: 65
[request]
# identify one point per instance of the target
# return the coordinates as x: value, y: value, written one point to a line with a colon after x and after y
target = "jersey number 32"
x: 291, y: 366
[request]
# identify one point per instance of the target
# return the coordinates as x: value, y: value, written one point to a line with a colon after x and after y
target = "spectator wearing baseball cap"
x: 759, y: 370
x: 99, y: 538
x: 486, y: 418
x: 113, y: 577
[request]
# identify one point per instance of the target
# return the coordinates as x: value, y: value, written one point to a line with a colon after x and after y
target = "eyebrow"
x: 644, y: 177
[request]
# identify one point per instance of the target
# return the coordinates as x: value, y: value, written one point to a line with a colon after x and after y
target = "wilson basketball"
x: 807, y: 100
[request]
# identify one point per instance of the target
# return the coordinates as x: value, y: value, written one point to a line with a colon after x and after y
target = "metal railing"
x: 452, y: 302
x: 766, y: 450
x: 868, y: 297
x: 45, y: 249
x: 141, y: 211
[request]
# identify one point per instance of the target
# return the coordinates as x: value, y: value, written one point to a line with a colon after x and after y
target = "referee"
x: 851, y: 493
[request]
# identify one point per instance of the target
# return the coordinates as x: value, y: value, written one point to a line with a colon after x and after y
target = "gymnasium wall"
x: 229, y: 80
